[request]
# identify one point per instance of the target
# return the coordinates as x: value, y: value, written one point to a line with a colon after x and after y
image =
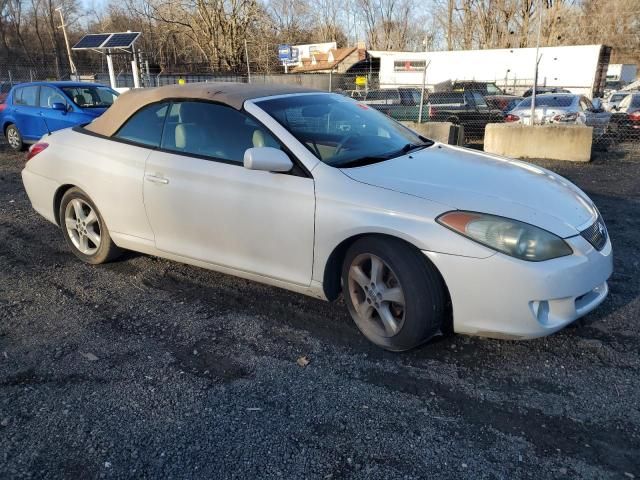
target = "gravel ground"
x: 150, y: 369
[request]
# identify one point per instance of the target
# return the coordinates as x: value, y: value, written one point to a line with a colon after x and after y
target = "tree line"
x: 217, y: 35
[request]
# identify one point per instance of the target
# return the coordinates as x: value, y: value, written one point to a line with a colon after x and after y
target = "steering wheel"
x: 344, y: 142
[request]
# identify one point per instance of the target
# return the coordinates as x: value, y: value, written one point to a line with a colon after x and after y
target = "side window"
x: 29, y: 97
x: 479, y: 99
x: 214, y: 131
x: 145, y: 126
x: 17, y: 96
x: 468, y: 98
x: 49, y: 96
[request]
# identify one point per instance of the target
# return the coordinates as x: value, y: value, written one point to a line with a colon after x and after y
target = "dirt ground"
x: 147, y: 368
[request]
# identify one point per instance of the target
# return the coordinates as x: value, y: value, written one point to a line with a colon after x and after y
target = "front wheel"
x: 394, y: 294
x: 14, y: 138
x: 84, y: 229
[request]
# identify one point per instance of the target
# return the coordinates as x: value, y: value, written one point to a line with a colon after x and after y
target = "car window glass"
x: 91, y: 96
x: 635, y: 101
x: 339, y: 131
x: 17, y: 96
x: 213, y: 130
x: 445, y: 98
x: 548, y: 101
x: 28, y: 96
x: 49, y: 96
x: 145, y: 126
x: 479, y: 99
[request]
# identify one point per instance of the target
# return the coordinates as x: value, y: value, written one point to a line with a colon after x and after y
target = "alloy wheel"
x: 83, y: 226
x: 376, y: 294
x: 13, y: 137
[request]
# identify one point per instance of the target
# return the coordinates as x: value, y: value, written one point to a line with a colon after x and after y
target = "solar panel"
x: 92, y: 41
x: 121, y: 40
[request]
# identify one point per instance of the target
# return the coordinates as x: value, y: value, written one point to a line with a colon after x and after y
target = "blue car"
x: 34, y: 109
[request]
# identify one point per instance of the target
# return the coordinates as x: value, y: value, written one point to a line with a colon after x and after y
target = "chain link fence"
x: 469, y: 104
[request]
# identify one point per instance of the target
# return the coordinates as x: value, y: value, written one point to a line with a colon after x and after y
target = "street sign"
x: 284, y: 53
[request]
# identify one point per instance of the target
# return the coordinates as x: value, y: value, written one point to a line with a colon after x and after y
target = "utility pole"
x: 424, y: 81
x: 74, y: 72
x: 535, y: 74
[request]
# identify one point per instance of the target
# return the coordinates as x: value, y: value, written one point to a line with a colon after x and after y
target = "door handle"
x: 156, y: 179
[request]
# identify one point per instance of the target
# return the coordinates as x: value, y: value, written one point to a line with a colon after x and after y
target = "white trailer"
x: 580, y: 69
x: 622, y: 72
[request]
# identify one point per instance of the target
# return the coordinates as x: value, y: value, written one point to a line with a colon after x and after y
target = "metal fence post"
x: 424, y: 83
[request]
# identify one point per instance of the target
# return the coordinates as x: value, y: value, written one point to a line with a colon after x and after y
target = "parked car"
x: 34, y: 109
x: 504, y: 103
x: 461, y: 108
x: 320, y: 194
x: 484, y: 88
x: 543, y: 90
x: 563, y: 108
x: 613, y: 101
x: 392, y: 96
x: 625, y: 122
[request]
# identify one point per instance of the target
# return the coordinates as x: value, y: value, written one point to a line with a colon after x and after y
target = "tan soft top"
x: 232, y: 94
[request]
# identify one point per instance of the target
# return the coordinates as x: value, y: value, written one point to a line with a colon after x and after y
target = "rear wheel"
x: 84, y: 229
x: 394, y: 294
x: 14, y: 138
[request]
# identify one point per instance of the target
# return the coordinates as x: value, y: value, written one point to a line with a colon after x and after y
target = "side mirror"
x: 61, y: 107
x: 267, y: 159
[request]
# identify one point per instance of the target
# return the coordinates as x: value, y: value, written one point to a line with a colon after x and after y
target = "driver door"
x: 203, y: 204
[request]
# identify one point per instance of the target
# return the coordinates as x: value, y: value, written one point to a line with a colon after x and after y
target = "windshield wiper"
x: 410, y: 147
x: 368, y: 160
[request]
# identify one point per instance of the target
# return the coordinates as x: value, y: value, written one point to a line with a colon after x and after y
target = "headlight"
x: 514, y: 238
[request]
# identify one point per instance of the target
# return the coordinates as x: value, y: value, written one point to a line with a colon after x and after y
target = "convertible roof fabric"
x: 232, y: 94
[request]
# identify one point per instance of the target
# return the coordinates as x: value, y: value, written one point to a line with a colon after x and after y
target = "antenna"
x: 45, y: 124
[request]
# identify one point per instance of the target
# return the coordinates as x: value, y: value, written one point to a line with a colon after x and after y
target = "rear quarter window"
x: 145, y: 126
x: 26, y: 96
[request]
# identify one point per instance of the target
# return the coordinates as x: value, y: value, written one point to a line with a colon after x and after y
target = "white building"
x: 580, y: 69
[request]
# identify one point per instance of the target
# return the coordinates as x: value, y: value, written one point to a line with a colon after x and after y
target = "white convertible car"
x: 320, y: 194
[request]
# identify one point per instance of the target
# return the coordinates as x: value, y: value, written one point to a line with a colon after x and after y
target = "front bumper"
x: 503, y: 297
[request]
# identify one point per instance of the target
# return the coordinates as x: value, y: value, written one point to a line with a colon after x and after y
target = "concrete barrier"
x: 552, y: 142
x: 443, y: 132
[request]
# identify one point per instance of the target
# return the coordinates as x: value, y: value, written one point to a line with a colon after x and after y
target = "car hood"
x: 466, y: 180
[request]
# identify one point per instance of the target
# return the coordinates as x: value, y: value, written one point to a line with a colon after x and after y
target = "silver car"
x: 613, y: 102
x: 563, y: 108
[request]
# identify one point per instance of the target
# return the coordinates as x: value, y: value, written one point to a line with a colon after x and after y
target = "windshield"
x: 91, y: 97
x: 340, y: 131
x: 616, y: 97
x: 492, y: 89
x: 548, y: 101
